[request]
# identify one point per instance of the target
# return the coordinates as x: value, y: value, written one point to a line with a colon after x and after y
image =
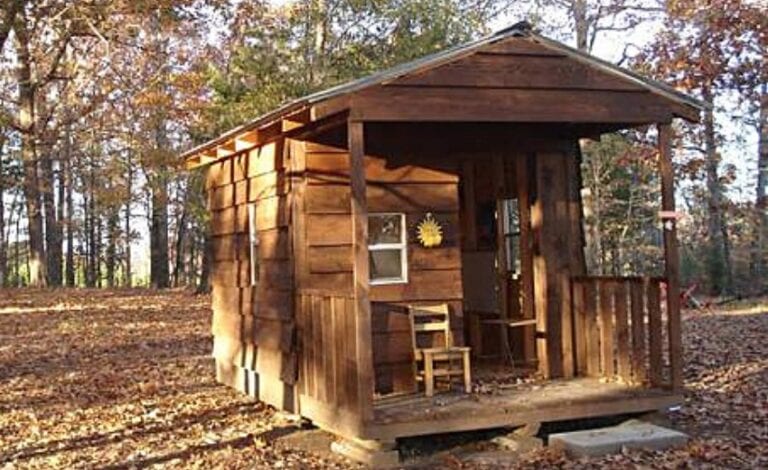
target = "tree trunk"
x: 159, y: 235
x: 37, y: 275
x: 70, y: 259
x: 181, y: 232
x: 17, y: 248
x: 760, y: 251
x: 52, y: 228
x: 204, y: 285
x: 716, y: 265
x: 111, y: 253
x: 128, y: 199
x: 3, y: 241
x: 580, y: 24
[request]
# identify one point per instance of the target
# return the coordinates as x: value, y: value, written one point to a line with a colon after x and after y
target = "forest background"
x: 99, y: 97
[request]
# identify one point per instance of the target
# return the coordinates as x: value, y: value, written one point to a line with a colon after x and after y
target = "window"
x: 511, y: 224
x: 387, y: 248
x: 253, y: 243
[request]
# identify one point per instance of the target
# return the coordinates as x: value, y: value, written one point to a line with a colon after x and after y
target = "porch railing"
x: 619, y: 329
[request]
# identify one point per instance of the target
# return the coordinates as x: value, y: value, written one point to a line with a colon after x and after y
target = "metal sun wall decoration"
x: 429, y: 232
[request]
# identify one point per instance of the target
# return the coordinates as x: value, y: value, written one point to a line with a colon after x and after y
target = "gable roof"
x: 432, y: 61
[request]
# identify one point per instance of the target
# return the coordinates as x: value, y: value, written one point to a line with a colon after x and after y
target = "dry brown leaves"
x: 123, y: 379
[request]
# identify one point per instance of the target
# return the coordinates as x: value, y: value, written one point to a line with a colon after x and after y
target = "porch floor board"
x: 513, y: 405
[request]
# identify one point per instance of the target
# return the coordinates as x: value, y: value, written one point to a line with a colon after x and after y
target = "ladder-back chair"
x: 433, y: 321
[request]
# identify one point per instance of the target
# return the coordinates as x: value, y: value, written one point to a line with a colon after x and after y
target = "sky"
x: 739, y: 150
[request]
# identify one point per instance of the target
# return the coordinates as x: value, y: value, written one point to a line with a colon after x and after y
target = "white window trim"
x: 402, y: 246
x: 253, y: 243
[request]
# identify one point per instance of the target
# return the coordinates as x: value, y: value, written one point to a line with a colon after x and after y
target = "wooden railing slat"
x: 639, y: 346
x: 607, y: 342
x: 622, y: 331
x: 610, y: 333
x: 580, y: 327
x: 654, y: 333
x: 592, y: 337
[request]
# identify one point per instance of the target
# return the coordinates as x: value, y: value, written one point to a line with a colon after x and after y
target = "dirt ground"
x: 123, y: 379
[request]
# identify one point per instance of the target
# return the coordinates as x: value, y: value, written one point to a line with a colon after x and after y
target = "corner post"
x: 360, y: 277
x: 671, y: 256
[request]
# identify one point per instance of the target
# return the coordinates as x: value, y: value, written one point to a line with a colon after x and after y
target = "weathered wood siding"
x: 558, y: 243
x: 434, y: 275
x: 516, y: 80
x: 253, y: 325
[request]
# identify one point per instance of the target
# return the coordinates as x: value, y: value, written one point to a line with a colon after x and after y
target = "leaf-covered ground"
x: 123, y: 379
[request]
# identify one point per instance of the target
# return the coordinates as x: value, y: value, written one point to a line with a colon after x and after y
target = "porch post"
x: 360, y: 275
x: 671, y: 256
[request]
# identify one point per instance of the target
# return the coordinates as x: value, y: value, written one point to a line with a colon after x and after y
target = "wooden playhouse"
x: 449, y: 181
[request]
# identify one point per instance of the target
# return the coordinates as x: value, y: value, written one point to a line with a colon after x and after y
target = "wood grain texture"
x: 671, y: 257
x: 519, y: 71
x: 360, y: 273
x: 510, y: 105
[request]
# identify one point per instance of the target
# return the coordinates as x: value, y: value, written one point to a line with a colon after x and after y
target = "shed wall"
x: 253, y: 324
x: 434, y: 274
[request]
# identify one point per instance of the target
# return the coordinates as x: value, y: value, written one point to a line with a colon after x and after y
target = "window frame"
x: 253, y: 245
x: 514, y: 263
x: 402, y: 246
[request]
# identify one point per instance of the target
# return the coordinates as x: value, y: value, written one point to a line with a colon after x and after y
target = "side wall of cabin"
x: 252, y: 323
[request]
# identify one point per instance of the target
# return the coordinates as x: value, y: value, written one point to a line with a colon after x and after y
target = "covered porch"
x: 576, y: 345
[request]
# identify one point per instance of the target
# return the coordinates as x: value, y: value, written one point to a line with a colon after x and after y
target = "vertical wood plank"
x: 548, y: 261
x: 606, y: 329
x: 361, y: 279
x: 579, y: 327
x: 639, y: 369
x: 567, y: 325
x: 522, y: 174
x: 328, y: 349
x: 317, y: 337
x: 350, y: 342
x: 624, y: 368
x: 592, y: 337
x: 300, y: 333
x: 468, y: 196
x: 310, y: 345
x: 654, y: 333
x: 671, y: 257
x: 337, y: 312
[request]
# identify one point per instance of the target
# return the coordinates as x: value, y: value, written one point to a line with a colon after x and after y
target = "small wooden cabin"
x: 317, y: 214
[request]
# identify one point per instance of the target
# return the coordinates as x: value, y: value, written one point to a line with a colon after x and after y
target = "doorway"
x: 496, y: 260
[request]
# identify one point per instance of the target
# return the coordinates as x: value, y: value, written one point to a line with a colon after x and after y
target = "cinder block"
x: 632, y: 435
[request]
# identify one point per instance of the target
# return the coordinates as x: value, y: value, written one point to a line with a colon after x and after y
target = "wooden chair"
x: 437, y: 361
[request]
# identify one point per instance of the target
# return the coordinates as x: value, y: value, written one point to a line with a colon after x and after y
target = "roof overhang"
x: 329, y: 107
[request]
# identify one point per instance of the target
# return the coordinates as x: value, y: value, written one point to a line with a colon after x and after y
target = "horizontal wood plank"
x: 511, y: 71
x: 330, y: 259
x: 334, y: 167
x: 324, y: 230
x: 401, y: 103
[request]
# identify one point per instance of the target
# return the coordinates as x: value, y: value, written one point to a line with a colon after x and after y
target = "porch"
x: 618, y: 357
x: 513, y: 405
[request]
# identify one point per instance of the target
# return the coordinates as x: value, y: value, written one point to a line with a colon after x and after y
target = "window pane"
x: 384, y: 229
x: 513, y: 254
x: 386, y: 264
x: 511, y: 216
